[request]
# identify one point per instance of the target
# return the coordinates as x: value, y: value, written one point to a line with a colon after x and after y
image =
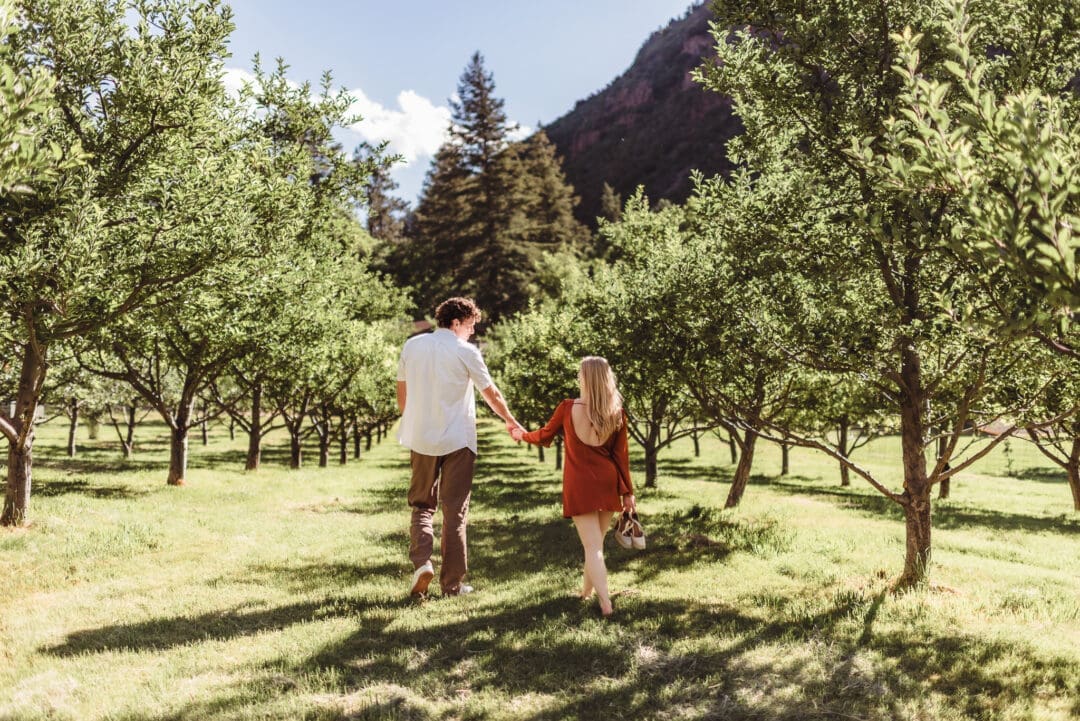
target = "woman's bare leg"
x: 591, y: 534
x: 605, y: 524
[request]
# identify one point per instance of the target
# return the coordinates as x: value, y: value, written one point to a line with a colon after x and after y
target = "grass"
x: 281, y: 594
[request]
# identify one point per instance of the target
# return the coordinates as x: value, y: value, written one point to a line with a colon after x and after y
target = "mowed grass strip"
x: 281, y: 594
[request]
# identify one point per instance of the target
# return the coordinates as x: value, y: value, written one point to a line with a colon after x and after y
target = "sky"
x: 401, y: 59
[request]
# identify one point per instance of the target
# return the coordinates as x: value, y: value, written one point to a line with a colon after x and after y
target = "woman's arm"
x: 544, y: 436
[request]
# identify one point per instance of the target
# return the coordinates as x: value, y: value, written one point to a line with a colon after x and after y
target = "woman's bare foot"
x: 606, y: 608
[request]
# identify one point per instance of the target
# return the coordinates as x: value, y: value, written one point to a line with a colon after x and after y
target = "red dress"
x: 590, y: 480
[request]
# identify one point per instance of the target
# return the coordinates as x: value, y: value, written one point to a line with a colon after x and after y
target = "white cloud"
x: 522, y: 132
x: 234, y: 79
x: 415, y: 130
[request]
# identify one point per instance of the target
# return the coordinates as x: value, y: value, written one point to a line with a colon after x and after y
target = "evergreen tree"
x: 386, y: 212
x: 478, y: 122
x: 610, y: 204
x: 431, y: 262
x: 489, y: 208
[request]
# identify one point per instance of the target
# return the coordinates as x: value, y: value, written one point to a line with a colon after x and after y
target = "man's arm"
x: 497, y: 403
x: 401, y: 396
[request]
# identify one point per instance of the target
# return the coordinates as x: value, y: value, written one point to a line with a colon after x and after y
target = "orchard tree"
x: 730, y: 262
x: 625, y: 307
x: 310, y: 189
x: 170, y: 353
x: 27, y: 162
x: 138, y: 97
x: 820, y: 100
x: 74, y: 392
x: 1005, y: 137
x: 535, y: 358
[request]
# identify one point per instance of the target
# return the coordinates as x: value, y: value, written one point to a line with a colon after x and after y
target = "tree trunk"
x: 540, y: 453
x: 697, y: 444
x: 254, y: 452
x: 232, y: 429
x: 72, y: 427
x: 558, y: 453
x: 343, y: 441
x: 650, y: 465
x: 378, y: 432
x: 20, y: 450
x: 93, y: 427
x: 178, y: 455
x: 1073, y: 471
x: 734, y: 448
x: 129, y: 444
x: 785, y: 459
x: 917, y: 521
x: 295, y: 450
x: 17, y: 498
x: 742, y: 470
x: 324, y: 450
x: 202, y: 427
x: 943, y: 491
x: 842, y: 447
x: 367, y: 437
x: 916, y: 484
x: 356, y: 440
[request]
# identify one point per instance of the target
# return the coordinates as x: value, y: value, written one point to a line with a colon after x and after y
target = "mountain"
x: 650, y: 126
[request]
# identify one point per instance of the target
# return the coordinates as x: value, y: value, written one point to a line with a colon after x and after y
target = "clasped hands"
x: 515, y: 430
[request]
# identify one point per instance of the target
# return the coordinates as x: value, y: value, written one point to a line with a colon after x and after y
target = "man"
x: 436, y: 376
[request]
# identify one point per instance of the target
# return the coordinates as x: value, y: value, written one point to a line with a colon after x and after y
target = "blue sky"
x: 402, y: 59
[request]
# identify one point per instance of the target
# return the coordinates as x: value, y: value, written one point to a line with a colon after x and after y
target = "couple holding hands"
x: 437, y: 374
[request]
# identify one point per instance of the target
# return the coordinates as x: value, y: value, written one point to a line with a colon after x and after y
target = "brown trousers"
x: 446, y: 479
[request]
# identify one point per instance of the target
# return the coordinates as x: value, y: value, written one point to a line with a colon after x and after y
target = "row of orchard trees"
x: 897, y: 255
x: 160, y: 234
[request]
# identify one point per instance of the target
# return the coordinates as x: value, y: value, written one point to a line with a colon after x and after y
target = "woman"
x: 596, y: 474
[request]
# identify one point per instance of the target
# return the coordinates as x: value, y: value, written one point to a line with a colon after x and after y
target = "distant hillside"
x: 650, y: 126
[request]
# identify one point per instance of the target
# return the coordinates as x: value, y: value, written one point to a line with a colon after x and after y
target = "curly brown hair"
x: 453, y: 309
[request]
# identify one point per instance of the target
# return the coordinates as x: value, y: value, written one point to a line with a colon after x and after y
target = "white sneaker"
x: 421, y: 578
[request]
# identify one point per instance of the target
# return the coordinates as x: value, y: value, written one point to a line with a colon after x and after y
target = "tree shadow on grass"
x: 1042, y: 474
x: 871, y: 504
x: 947, y: 514
x: 655, y: 659
x: 113, y: 464
x: 649, y: 673
x: 236, y: 458
x: 951, y: 515
x: 309, y: 578
x: 55, y: 488
x: 690, y: 470
x: 680, y: 540
x: 164, y: 633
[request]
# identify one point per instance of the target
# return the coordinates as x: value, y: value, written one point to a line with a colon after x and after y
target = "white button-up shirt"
x: 440, y: 372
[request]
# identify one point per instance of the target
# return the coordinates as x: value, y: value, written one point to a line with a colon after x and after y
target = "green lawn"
x: 281, y: 594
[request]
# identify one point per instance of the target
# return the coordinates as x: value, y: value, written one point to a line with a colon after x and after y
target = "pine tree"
x: 445, y: 221
x: 489, y: 208
x: 610, y: 204
x: 386, y: 213
x: 478, y: 122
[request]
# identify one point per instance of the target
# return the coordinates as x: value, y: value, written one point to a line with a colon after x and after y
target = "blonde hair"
x: 604, y: 408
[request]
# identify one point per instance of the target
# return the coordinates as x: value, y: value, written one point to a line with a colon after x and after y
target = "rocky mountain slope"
x: 650, y: 126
